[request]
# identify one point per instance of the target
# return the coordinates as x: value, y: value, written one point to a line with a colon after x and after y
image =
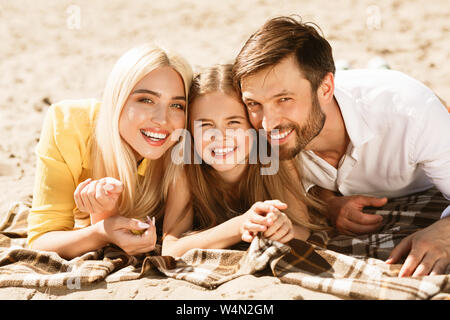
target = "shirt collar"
x: 355, y: 123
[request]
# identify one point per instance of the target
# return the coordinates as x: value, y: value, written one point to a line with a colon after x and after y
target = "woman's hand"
x: 121, y: 231
x: 98, y: 197
x: 266, y: 217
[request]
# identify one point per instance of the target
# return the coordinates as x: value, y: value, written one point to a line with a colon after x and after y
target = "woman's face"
x: 220, y: 128
x: 152, y: 112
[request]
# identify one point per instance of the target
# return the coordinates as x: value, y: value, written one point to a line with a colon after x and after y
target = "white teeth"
x: 154, y: 135
x: 222, y: 151
x: 280, y: 135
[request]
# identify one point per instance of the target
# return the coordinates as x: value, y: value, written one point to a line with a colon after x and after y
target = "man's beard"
x: 304, y: 134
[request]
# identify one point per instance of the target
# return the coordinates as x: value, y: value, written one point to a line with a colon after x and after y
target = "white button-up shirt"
x: 399, y: 138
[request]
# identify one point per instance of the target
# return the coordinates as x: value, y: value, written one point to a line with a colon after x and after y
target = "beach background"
x: 56, y: 49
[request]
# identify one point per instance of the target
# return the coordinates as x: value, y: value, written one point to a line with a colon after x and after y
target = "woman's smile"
x: 155, y: 137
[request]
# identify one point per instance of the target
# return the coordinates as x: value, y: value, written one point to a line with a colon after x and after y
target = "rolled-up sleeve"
x: 431, y: 150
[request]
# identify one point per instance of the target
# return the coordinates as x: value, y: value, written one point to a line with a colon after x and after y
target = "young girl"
x: 119, y: 150
x: 225, y: 199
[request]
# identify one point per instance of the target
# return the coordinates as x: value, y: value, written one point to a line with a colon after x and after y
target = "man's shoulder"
x: 385, y: 91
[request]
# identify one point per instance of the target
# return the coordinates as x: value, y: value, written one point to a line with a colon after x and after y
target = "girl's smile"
x: 220, y: 123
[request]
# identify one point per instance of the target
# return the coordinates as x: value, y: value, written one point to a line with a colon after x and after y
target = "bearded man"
x: 363, y: 135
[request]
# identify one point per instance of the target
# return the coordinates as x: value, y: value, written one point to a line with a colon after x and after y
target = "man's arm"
x: 428, y: 250
x: 345, y: 212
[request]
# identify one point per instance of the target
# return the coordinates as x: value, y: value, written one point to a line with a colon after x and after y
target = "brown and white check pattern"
x: 348, y: 267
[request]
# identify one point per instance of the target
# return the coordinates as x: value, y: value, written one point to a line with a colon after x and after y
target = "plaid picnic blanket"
x: 348, y: 267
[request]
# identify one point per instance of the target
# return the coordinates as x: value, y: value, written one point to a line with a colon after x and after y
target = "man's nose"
x: 271, y: 119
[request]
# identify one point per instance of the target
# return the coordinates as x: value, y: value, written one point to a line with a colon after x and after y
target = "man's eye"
x: 234, y: 122
x: 285, y: 99
x: 205, y: 125
x: 252, y: 104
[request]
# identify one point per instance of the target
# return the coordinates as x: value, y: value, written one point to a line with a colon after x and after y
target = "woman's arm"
x: 115, y: 229
x: 71, y: 244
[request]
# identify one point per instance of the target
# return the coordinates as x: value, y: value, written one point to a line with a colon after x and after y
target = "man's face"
x: 279, y: 100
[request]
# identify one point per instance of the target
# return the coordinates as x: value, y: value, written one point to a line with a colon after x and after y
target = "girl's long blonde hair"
x: 112, y: 156
x: 214, y: 201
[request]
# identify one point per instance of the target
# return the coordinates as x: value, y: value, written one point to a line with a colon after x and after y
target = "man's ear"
x: 325, y: 92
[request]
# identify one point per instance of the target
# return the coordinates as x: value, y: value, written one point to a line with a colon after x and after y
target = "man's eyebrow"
x: 157, y: 94
x: 280, y: 94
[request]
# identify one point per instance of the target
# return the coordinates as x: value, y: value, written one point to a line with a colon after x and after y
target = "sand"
x: 54, y: 50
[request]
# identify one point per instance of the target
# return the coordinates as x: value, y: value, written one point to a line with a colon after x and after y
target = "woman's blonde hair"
x: 215, y: 201
x: 112, y: 156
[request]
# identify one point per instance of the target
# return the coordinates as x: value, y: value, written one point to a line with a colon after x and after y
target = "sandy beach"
x: 57, y: 49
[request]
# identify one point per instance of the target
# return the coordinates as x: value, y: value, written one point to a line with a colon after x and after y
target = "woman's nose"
x: 159, y: 115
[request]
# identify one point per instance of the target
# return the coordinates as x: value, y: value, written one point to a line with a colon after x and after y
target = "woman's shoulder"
x: 74, y: 113
x: 69, y: 126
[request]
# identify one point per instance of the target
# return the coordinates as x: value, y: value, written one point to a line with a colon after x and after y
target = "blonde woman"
x: 225, y: 199
x: 104, y: 167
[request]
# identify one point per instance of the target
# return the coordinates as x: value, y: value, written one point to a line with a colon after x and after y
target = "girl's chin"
x: 223, y: 167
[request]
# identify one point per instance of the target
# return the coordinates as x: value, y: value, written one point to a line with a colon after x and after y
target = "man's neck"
x: 332, y: 141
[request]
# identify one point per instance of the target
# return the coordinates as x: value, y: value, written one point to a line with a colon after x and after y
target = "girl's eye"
x: 178, y: 106
x: 205, y: 125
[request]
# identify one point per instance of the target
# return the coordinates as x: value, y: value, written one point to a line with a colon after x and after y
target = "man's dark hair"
x: 279, y: 38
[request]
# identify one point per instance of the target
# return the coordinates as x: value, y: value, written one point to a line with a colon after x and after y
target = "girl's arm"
x: 178, y: 219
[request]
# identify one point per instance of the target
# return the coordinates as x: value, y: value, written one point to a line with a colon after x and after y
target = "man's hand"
x: 428, y: 251
x: 346, y: 214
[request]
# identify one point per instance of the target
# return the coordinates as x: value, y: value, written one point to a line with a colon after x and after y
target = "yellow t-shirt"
x: 63, y: 155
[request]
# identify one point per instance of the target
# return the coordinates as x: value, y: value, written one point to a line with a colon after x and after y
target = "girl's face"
x: 152, y: 112
x: 221, y: 131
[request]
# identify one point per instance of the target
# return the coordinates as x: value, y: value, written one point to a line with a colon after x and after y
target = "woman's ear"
x: 325, y: 92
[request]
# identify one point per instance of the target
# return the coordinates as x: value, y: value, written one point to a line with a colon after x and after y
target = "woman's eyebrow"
x: 147, y: 91
x: 157, y: 94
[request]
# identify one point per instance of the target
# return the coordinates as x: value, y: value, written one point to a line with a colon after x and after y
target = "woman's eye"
x: 146, y: 100
x: 178, y: 106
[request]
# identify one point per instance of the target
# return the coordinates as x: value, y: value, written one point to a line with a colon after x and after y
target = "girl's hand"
x: 98, y: 196
x: 119, y: 231
x: 257, y: 219
x: 280, y: 227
